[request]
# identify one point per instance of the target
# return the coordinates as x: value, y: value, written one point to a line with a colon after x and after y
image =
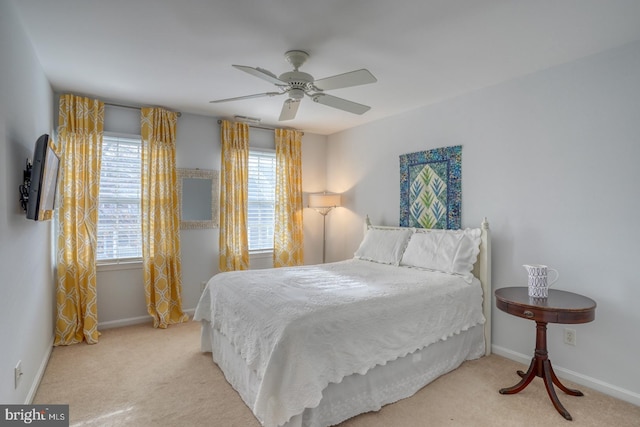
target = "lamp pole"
x: 324, y: 212
x: 323, y: 203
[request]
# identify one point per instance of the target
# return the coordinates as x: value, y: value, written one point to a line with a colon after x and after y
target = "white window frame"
x: 125, y: 262
x: 265, y: 154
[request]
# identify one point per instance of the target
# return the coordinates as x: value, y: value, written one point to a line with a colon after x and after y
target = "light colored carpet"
x: 140, y: 376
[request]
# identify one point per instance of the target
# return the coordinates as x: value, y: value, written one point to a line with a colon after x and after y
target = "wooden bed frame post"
x: 484, y: 274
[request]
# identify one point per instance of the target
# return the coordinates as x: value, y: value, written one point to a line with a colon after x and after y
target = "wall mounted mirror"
x: 198, y: 195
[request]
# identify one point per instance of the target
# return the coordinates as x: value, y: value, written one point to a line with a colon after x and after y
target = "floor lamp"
x: 323, y: 203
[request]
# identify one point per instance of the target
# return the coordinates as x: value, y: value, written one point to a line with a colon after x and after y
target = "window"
x: 261, y: 203
x: 119, y: 216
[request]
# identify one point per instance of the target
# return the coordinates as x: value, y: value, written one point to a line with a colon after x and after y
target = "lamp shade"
x: 324, y: 200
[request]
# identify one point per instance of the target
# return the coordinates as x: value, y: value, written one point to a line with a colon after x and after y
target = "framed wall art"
x: 430, y: 188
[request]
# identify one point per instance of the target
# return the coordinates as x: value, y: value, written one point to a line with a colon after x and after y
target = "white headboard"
x: 481, y: 270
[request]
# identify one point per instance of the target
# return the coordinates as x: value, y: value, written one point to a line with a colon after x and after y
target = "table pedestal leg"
x: 541, y: 367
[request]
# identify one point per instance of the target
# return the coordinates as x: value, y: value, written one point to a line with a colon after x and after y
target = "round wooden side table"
x: 559, y: 307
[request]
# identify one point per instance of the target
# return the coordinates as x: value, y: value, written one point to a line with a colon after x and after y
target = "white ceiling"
x: 178, y: 53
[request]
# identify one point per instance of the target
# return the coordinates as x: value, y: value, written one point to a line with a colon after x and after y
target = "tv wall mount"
x: 25, y: 186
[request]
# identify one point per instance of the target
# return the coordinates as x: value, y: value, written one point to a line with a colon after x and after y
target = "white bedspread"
x: 302, y: 328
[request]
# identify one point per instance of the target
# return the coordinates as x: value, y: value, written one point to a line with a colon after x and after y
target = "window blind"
x: 119, y: 216
x: 261, y: 203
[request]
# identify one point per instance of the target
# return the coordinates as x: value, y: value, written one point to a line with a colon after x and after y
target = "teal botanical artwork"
x: 430, y: 188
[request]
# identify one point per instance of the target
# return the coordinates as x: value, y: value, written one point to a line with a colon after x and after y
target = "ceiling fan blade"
x: 353, y: 78
x: 342, y: 104
x: 262, y: 74
x: 237, y: 98
x: 289, y: 109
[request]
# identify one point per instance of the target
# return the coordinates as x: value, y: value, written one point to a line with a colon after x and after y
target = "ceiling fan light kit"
x: 296, y: 84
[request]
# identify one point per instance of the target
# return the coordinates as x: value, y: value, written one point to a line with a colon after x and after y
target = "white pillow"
x: 448, y: 251
x: 383, y: 246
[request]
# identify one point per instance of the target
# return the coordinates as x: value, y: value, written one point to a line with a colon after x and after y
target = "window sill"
x: 135, y: 264
x: 261, y: 254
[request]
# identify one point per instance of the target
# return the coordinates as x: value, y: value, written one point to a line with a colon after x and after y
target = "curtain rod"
x: 260, y: 127
x: 130, y: 106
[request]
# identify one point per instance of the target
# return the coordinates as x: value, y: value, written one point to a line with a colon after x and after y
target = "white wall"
x: 121, y: 298
x: 552, y: 160
x: 27, y: 284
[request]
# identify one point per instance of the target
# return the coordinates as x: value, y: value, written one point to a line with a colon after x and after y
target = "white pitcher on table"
x: 538, y: 280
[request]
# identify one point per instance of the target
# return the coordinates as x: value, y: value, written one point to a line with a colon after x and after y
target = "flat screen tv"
x: 44, y: 179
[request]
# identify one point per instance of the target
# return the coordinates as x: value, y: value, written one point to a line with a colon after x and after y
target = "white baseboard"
x: 133, y: 321
x: 124, y: 322
x: 38, y: 378
x: 578, y: 378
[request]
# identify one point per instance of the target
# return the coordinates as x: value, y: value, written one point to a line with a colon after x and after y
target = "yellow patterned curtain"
x: 162, y: 266
x: 80, y: 129
x: 288, y: 240
x: 234, y: 181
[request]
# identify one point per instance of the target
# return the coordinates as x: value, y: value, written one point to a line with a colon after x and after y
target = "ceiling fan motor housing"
x: 298, y: 80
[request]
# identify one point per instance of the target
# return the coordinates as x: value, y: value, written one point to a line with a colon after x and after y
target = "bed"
x: 315, y: 345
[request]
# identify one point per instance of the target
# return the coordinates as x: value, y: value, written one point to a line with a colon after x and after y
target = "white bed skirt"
x: 356, y: 393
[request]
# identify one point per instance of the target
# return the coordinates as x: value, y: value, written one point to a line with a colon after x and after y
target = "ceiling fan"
x: 296, y: 84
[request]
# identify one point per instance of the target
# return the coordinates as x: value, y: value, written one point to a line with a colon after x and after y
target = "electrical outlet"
x: 17, y: 372
x: 569, y: 336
